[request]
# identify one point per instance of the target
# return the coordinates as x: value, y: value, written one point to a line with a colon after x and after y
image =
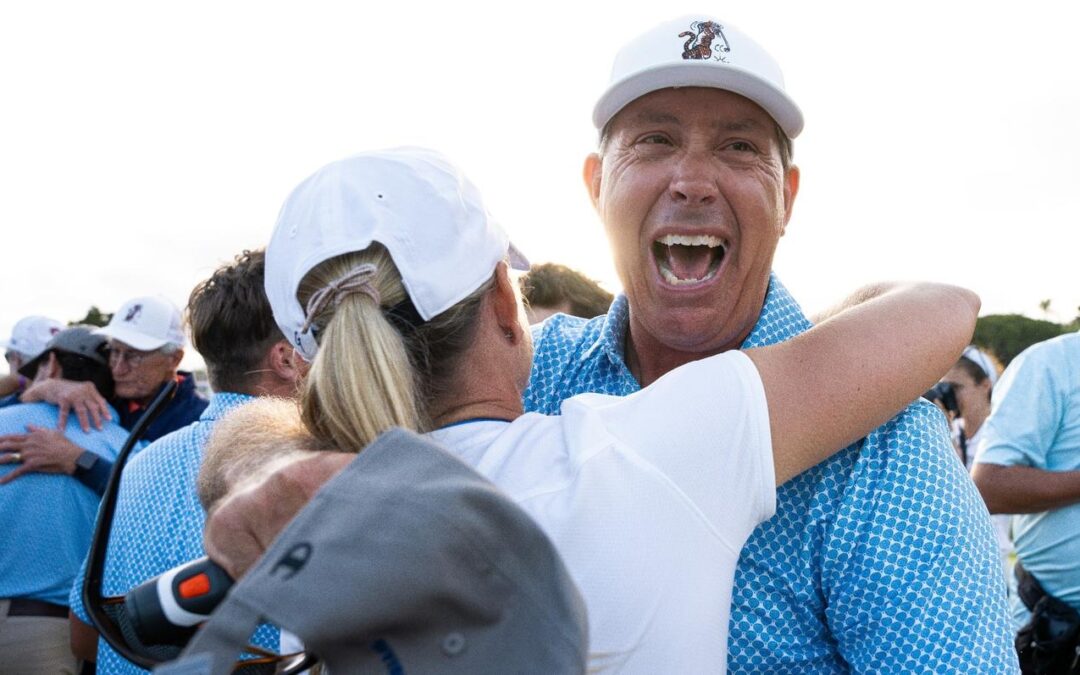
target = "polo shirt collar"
x: 781, y: 318
x: 221, y: 403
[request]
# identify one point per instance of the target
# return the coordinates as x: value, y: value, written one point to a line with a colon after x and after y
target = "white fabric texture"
x: 649, y: 499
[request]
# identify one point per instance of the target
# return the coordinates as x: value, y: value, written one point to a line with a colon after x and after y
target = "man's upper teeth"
x: 691, y: 240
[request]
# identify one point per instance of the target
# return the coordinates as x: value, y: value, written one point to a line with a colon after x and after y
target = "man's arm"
x: 1025, y: 489
x: 82, y: 398
x: 49, y: 451
x: 260, y: 468
x: 1011, y: 465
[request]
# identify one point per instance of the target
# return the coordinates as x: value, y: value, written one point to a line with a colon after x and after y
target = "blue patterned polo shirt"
x: 881, y: 559
x: 159, y: 521
x: 48, y: 517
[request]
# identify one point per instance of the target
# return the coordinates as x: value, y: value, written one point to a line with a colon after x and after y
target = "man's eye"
x: 741, y: 146
x: 655, y: 139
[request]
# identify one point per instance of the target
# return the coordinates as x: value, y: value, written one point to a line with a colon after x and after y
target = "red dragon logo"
x: 699, y: 41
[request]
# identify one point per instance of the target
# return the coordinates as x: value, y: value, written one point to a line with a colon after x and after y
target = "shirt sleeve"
x: 1026, y: 412
x: 705, y: 426
x: 911, y: 577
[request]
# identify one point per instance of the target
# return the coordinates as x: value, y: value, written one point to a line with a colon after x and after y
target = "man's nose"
x: 695, y: 180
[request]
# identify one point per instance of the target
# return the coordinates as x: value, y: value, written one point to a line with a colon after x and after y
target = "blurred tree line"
x: 94, y: 317
x: 1006, y: 335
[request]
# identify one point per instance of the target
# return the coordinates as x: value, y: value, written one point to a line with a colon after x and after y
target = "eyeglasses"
x: 134, y: 357
x: 109, y: 613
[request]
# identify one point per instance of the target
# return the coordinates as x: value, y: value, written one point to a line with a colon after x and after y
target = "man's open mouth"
x: 688, y: 259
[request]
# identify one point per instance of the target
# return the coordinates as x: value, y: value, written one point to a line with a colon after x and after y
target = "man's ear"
x: 504, y: 299
x: 791, y: 190
x: 49, y: 369
x: 177, y: 358
x: 592, y: 172
x: 284, y: 361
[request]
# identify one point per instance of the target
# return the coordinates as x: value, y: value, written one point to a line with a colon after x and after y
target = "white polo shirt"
x: 649, y: 499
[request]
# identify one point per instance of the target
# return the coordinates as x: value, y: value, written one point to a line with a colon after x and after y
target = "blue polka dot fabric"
x: 880, y: 560
x: 159, y: 521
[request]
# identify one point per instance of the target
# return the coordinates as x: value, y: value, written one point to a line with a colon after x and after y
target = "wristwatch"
x: 85, y: 462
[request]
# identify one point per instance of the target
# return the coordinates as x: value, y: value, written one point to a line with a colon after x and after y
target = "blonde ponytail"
x: 361, y: 382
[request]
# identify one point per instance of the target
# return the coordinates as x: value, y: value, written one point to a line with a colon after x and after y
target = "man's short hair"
x: 232, y: 326
x: 552, y: 285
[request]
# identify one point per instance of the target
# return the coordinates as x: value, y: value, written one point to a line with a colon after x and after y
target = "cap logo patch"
x: 133, y: 313
x: 699, y: 42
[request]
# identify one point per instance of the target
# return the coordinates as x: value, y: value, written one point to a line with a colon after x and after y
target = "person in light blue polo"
x: 159, y: 520
x: 49, y: 518
x: 1028, y: 463
x: 880, y: 559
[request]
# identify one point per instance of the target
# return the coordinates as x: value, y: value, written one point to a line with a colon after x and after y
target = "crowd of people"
x: 690, y: 476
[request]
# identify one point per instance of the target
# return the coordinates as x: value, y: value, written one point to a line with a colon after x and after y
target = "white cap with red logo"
x: 698, y: 51
x: 146, y: 323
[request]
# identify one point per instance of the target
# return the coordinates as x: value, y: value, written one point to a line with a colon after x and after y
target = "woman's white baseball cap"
x: 146, y: 323
x: 698, y: 51
x: 412, y: 201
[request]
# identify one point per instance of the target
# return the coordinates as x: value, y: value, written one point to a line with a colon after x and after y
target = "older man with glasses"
x: 146, y: 345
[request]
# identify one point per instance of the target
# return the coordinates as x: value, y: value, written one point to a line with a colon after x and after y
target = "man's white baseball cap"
x: 31, y: 334
x: 146, y: 323
x: 698, y: 51
x: 414, y: 202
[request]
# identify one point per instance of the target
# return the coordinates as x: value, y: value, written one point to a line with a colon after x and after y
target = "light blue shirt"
x: 48, y: 518
x: 159, y: 521
x: 1035, y: 421
x: 881, y: 559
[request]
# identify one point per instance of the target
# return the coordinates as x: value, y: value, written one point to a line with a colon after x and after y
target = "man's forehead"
x: 115, y: 344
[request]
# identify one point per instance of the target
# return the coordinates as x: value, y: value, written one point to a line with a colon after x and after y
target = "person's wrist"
x: 84, y: 462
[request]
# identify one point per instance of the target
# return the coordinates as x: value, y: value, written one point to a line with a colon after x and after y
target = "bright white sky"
x: 143, y: 143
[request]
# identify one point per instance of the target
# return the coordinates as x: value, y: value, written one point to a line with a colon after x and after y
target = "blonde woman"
x: 391, y: 279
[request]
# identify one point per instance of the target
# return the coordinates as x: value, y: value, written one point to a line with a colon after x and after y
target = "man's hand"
x: 81, y: 397
x: 244, y: 524
x: 39, y: 450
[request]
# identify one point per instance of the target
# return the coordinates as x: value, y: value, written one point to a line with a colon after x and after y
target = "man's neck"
x: 648, y: 359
